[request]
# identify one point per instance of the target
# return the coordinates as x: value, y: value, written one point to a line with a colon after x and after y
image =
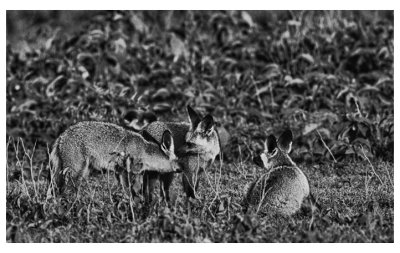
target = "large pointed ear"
x: 167, y: 144
x: 207, y: 124
x: 194, y: 117
x: 285, y: 141
x: 148, y: 137
x: 257, y: 160
x: 270, y: 143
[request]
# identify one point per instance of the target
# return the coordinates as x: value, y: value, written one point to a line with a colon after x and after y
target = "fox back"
x: 284, y: 186
x: 98, y: 145
x: 178, y: 131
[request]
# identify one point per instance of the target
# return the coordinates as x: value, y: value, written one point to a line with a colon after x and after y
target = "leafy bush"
x: 314, y: 71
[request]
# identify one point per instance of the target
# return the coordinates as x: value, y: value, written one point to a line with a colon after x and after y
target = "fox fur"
x: 283, y: 187
x: 91, y: 145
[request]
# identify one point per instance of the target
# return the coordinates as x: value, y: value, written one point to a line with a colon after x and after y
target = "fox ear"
x: 258, y: 161
x: 167, y: 143
x: 194, y: 117
x: 207, y: 124
x: 285, y: 141
x: 148, y: 137
x: 270, y: 143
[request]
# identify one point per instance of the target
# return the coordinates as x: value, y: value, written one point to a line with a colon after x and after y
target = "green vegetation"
x: 328, y: 75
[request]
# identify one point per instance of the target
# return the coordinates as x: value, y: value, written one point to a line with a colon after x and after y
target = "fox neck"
x: 282, y: 161
x: 153, y: 158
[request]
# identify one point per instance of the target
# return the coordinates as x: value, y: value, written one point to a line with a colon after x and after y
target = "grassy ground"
x: 356, y: 206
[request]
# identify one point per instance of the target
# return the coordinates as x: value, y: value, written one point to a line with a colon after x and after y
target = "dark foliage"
x: 316, y: 71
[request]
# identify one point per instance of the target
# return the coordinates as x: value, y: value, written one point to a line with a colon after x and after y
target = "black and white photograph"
x: 199, y: 126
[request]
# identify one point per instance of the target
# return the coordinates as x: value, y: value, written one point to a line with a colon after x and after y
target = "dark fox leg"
x: 77, y: 178
x: 188, y: 185
x: 191, y: 182
x: 165, y: 182
x: 124, y: 181
x: 149, y: 179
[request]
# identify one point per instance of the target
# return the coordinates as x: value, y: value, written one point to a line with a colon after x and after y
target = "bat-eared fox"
x: 283, y: 186
x: 91, y: 145
x: 197, y: 145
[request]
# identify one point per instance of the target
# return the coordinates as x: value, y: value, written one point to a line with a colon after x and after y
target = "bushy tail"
x: 55, y: 170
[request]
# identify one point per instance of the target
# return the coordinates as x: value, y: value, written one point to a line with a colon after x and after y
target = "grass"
x: 355, y: 207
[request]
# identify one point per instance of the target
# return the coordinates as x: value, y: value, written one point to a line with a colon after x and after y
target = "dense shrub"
x: 325, y: 72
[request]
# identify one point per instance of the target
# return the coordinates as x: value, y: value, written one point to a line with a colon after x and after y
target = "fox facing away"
x: 197, y: 145
x: 283, y: 187
x: 94, y: 145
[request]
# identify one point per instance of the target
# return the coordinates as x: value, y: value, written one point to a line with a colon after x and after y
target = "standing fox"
x: 97, y: 145
x: 284, y: 186
x: 197, y: 145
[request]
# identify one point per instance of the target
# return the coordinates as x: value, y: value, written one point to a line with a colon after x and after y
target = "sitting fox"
x: 197, y: 144
x: 94, y: 145
x: 283, y: 186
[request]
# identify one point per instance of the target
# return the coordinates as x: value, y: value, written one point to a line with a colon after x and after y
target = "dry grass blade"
x: 30, y: 158
x: 388, y: 173
x: 128, y: 166
x: 372, y: 167
x: 7, y: 166
x: 20, y: 164
x: 326, y: 146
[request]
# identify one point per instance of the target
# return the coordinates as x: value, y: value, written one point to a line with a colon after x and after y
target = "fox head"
x: 276, y: 153
x: 167, y: 146
x: 167, y: 156
x: 202, y: 137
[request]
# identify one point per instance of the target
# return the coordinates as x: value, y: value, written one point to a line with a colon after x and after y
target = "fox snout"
x: 177, y: 167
